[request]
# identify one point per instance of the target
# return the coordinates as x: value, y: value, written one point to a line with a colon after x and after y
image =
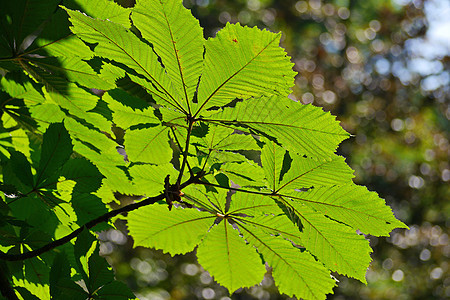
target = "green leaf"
x: 47, y: 113
x: 70, y: 290
x: 261, y: 183
x: 36, y: 271
x: 251, y: 64
x: 88, y: 207
x: 272, y: 158
x: 61, y: 285
x: 31, y: 291
x: 60, y: 269
x: 103, y: 9
x: 23, y: 18
x: 21, y: 88
x: 253, y: 204
x: 149, y: 179
x: 149, y: 145
x: 222, y: 252
x: 84, y: 173
x: 114, y: 41
x: 223, y: 138
x: 84, y: 247
x: 106, y: 159
x: 214, y: 203
x: 95, y: 269
x: 56, y: 150
x: 177, y: 38
x: 69, y: 96
x: 115, y: 290
x: 21, y: 168
x: 296, y: 273
x: 74, y: 70
x: 129, y: 110
x: 26, y: 294
x: 57, y: 40
x: 307, y: 172
x: 336, y: 245
x: 299, y: 128
x: 303, y: 172
x: 244, y: 174
x: 99, y: 272
x: 353, y: 205
x: 263, y: 212
x: 177, y: 231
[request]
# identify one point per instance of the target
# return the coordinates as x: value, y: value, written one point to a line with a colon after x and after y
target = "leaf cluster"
x: 136, y: 102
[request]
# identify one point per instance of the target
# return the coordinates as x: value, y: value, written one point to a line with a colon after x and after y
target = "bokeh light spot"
x: 398, y: 275
x: 425, y: 255
x: 436, y: 273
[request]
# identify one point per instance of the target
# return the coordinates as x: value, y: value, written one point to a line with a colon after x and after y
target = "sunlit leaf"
x: 176, y: 231
x: 251, y: 64
x: 224, y: 263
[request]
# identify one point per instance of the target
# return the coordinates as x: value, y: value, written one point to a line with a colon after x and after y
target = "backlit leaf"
x: 177, y: 231
x: 225, y: 262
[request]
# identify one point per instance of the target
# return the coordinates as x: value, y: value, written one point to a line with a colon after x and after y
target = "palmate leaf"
x: 221, y: 245
x: 260, y: 182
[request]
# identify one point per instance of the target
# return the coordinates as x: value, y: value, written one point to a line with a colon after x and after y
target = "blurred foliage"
x: 375, y: 65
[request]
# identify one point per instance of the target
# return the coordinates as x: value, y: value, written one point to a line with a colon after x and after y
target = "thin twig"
x: 181, y: 149
x: 186, y: 150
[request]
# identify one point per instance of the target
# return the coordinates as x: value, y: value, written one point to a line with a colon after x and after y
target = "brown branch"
x: 90, y: 224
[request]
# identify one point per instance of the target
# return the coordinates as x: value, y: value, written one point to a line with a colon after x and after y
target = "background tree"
x: 382, y: 67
